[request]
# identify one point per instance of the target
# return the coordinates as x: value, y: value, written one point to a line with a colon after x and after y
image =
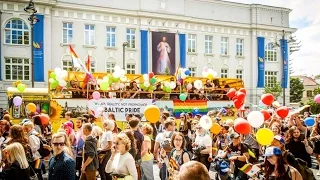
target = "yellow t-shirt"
x: 147, y: 156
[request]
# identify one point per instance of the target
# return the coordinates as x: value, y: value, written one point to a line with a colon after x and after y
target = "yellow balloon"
x: 152, y: 113
x: 210, y: 76
x: 264, y: 136
x: 32, y: 107
x: 215, y: 128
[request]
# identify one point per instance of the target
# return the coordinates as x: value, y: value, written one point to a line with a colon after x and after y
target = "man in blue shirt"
x: 61, y: 165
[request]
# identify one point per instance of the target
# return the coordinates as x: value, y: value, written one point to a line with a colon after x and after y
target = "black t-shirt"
x: 237, y: 151
x: 298, y: 149
x: 138, y: 136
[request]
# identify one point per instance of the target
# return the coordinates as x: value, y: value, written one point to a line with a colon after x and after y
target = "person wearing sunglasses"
x: 61, y: 165
x: 202, y: 146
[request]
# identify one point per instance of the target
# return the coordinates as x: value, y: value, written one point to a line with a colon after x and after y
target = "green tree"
x: 296, y: 90
x: 166, y: 71
x: 273, y: 88
x: 314, y: 107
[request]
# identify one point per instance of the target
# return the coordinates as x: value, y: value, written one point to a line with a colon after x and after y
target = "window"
x: 208, y: 44
x: 16, y: 32
x: 17, y: 69
x: 131, y: 68
x: 92, y: 63
x: 224, y: 72
x: 224, y: 46
x: 309, y: 93
x: 67, y: 33
x: 110, y: 66
x: 193, y: 71
x: 191, y: 43
x: 240, y: 47
x: 239, y: 73
x: 111, y: 37
x: 270, y: 53
x: 89, y: 35
x: 270, y: 78
x: 67, y: 63
x: 131, y: 38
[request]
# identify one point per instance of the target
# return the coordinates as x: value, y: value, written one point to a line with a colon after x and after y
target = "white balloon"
x: 105, y: 78
x: 99, y: 81
x: 117, y: 68
x: 121, y: 86
x: 122, y: 72
x: 210, y: 71
x: 214, y: 74
x: 116, y: 86
x: 205, y: 122
x: 62, y: 83
x: 172, y: 85
x: 51, y: 80
x: 116, y: 74
x: 58, y: 77
x: 205, y: 74
x: 145, y: 77
x: 57, y: 70
x: 255, y: 119
x: 166, y: 84
x: 64, y: 74
x: 197, y: 84
x: 123, y: 78
x: 146, y: 83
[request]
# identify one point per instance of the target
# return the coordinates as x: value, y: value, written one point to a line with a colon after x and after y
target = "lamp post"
x: 124, y: 53
x: 30, y: 9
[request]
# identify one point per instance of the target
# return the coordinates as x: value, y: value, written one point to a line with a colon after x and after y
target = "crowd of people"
x: 182, y: 149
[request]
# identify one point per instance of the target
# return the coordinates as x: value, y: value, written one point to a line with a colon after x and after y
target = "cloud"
x: 305, y: 16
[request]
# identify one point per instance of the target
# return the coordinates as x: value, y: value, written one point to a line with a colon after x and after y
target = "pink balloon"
x: 189, y: 86
x: 205, y: 69
x: 17, y: 101
x: 317, y: 98
x: 96, y: 95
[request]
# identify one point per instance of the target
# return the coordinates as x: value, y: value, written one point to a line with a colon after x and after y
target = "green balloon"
x: 55, y: 83
x: 104, y: 86
x: 153, y: 80
x: 45, y: 107
x: 168, y: 89
x: 183, y: 97
x: 53, y: 75
x: 116, y: 79
x: 146, y: 88
x: 142, y: 86
x: 152, y: 88
x: 53, y: 86
x: 21, y: 87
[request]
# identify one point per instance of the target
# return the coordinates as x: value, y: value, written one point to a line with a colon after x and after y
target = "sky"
x: 305, y: 16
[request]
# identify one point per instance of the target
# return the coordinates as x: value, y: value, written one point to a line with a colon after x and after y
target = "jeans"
x: 147, y: 170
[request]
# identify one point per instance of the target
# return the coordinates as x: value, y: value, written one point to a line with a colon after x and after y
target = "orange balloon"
x: 32, y: 107
x: 152, y: 113
x: 215, y: 128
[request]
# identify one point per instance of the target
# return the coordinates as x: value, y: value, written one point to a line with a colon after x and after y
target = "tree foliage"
x: 275, y: 90
x: 296, y: 90
x: 314, y: 107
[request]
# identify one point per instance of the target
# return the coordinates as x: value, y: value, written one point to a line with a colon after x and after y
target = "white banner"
x: 120, y: 107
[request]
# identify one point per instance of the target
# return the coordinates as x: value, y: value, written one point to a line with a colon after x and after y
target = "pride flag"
x: 250, y: 170
x: 193, y: 106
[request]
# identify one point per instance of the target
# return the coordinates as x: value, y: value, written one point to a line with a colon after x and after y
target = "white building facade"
x: 208, y: 33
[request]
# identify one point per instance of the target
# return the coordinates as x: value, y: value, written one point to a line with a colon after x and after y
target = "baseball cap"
x: 279, y: 138
x: 270, y: 151
x: 234, y: 135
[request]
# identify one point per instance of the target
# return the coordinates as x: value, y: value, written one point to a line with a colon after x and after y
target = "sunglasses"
x: 198, y: 127
x: 58, y: 144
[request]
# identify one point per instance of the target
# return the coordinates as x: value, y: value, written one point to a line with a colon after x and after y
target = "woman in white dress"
x: 164, y: 60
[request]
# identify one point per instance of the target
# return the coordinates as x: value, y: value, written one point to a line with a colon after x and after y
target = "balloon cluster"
x: 149, y: 81
x: 184, y: 73
x: 209, y: 73
x: 238, y: 97
x: 116, y: 80
x: 57, y: 78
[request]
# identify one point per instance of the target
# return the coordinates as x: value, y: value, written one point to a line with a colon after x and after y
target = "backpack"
x: 166, y: 143
x: 44, y: 149
x: 180, y: 160
x: 300, y: 165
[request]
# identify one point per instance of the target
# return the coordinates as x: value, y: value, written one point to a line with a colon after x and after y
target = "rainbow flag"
x: 193, y: 106
x: 37, y: 164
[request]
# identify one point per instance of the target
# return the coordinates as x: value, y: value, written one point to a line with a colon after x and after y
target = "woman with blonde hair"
x: 19, y: 167
x: 121, y: 163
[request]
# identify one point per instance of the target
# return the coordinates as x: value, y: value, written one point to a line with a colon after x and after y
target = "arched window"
x: 92, y: 63
x: 209, y: 65
x: 224, y: 71
x: 270, y: 53
x: 67, y: 63
x: 16, y: 32
x: 110, y: 64
x: 239, y: 72
x: 131, y: 66
x: 193, y: 69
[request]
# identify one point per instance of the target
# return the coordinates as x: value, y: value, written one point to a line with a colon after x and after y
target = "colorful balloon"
x: 215, y: 128
x: 96, y: 95
x: 242, y: 126
x: 182, y: 97
x: 17, y: 101
x: 205, y: 122
x: 267, y: 99
x: 266, y: 114
x: 32, y: 107
x: 264, y: 136
x: 21, y: 87
x: 317, y: 98
x: 255, y: 119
x: 282, y: 112
x: 151, y: 74
x: 243, y: 90
x: 189, y: 86
x: 152, y: 113
x: 309, y: 121
x: 231, y: 93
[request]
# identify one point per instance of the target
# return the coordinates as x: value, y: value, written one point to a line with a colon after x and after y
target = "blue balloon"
x: 187, y: 72
x: 223, y: 111
x: 195, y: 111
x: 309, y: 121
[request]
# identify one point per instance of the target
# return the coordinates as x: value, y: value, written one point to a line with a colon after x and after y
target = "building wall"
x: 205, y: 17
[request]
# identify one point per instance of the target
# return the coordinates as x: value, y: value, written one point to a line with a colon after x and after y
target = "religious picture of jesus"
x: 163, y: 62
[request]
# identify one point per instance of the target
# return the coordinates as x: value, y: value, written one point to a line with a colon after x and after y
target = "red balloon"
x: 283, y: 111
x: 242, y: 126
x: 151, y: 74
x: 266, y: 114
x: 238, y: 103
x: 267, y: 99
x: 243, y: 90
x: 231, y: 93
x: 241, y: 96
x: 44, y: 119
x: 234, y: 98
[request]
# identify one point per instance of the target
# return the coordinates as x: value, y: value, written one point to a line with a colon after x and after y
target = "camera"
x: 196, y: 152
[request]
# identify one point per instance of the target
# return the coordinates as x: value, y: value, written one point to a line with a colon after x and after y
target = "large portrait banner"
x: 163, y: 53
